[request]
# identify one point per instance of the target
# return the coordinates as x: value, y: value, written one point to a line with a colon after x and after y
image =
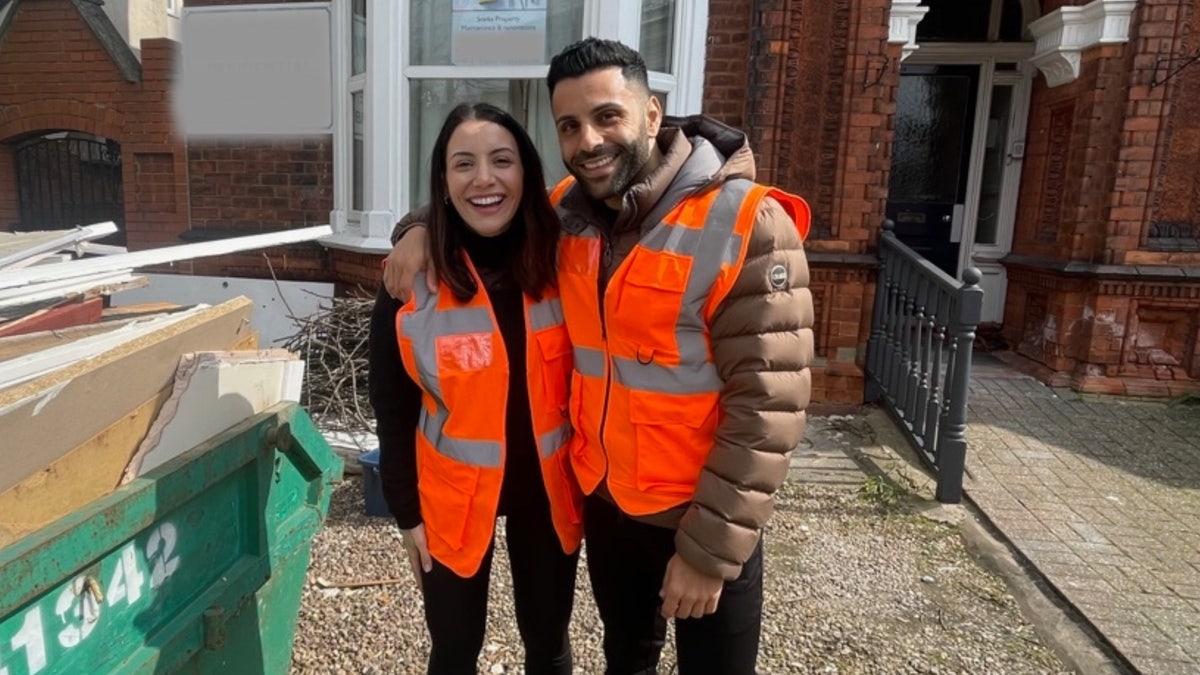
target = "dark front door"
x: 67, y: 179
x: 935, y: 120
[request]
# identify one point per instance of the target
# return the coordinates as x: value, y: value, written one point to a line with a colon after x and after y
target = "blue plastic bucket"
x: 373, y: 484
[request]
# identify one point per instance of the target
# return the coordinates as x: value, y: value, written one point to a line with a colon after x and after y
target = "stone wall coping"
x: 1077, y: 268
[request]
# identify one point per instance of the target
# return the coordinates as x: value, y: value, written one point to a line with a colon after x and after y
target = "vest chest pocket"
x: 673, y: 434
x: 651, y: 297
x: 554, y: 347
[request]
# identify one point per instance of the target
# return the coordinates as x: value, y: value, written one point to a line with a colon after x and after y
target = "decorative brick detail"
x: 1162, y: 343
x: 1054, y: 177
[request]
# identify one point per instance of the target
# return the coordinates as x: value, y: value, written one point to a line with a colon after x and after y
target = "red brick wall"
x: 1175, y: 200
x: 819, y: 119
x: 1070, y: 163
x: 260, y: 186
x: 726, y: 77
x: 55, y: 75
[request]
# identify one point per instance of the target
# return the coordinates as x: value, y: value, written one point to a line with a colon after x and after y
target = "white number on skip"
x: 78, y: 607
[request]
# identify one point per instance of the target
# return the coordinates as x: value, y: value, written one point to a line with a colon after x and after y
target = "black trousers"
x: 626, y: 561
x: 543, y: 590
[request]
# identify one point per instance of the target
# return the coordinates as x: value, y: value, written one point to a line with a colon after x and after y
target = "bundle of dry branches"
x: 333, y: 344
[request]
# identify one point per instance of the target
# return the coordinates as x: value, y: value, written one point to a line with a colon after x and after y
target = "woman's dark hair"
x: 535, y: 221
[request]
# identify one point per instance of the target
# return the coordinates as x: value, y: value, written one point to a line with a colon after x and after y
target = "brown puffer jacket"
x: 762, y: 343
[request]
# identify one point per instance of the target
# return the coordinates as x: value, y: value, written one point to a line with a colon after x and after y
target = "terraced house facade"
x: 1053, y: 145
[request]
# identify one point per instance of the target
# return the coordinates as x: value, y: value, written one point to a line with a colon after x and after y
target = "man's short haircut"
x: 591, y: 54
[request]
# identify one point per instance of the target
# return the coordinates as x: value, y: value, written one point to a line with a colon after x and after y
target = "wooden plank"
x: 140, y: 309
x: 213, y: 391
x: 84, y: 474
x: 22, y: 345
x: 157, y: 256
x: 33, y: 365
x: 52, y: 318
x: 43, y: 419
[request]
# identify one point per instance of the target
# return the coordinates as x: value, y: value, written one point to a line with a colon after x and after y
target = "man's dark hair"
x: 591, y: 54
x: 535, y: 221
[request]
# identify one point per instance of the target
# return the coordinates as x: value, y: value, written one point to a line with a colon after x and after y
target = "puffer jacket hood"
x: 697, y: 153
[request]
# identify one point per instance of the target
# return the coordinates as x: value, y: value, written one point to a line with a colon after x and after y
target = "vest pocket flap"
x: 448, y: 473
x: 447, y: 489
x: 649, y: 407
x: 660, y: 271
x: 553, y: 342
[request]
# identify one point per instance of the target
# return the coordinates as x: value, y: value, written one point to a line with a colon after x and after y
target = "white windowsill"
x: 350, y: 241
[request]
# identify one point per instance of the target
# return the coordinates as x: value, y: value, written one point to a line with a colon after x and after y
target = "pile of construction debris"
x: 94, y: 396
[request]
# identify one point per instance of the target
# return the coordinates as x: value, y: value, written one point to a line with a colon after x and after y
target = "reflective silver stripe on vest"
x: 423, y: 327
x: 552, y: 441
x: 589, y: 362
x: 686, y: 378
x: 546, y: 313
x: 486, y: 454
x: 710, y: 247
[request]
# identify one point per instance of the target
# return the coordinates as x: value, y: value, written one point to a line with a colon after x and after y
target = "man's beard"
x: 630, y: 159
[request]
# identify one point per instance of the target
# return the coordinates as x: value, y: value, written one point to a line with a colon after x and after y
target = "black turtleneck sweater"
x: 397, y: 398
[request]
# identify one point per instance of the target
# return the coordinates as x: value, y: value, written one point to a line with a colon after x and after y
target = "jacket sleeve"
x: 397, y: 403
x: 762, y: 345
x: 418, y: 216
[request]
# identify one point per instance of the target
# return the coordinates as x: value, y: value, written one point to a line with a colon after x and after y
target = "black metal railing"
x: 919, y: 355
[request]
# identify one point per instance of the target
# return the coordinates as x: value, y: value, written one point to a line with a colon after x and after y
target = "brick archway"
x: 25, y: 118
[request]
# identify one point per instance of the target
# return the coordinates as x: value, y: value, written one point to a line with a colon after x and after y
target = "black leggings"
x: 543, y: 590
x: 626, y: 562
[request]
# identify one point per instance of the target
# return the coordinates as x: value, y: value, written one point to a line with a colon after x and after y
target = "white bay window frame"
x: 387, y: 101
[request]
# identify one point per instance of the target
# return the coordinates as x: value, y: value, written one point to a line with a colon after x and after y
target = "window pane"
x: 1012, y: 21
x: 356, y: 179
x: 358, y: 37
x: 658, y: 33
x: 995, y: 158
x: 432, y: 33
x: 955, y: 21
x: 527, y: 100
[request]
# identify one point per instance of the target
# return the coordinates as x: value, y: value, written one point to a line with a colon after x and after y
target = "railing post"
x: 875, y: 357
x: 952, y: 440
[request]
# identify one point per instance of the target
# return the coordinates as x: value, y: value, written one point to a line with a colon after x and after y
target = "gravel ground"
x: 853, y: 585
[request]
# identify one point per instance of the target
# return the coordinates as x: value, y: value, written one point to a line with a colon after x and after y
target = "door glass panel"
x: 935, y: 114
x: 931, y: 137
x: 657, y: 36
x: 527, y: 100
x: 955, y: 21
x: 995, y: 158
x: 432, y: 33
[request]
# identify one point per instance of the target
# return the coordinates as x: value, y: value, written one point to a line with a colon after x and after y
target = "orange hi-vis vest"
x: 644, y: 394
x: 454, y: 351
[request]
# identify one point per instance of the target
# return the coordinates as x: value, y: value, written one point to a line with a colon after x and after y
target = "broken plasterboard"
x: 214, y: 391
x: 45, y: 418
